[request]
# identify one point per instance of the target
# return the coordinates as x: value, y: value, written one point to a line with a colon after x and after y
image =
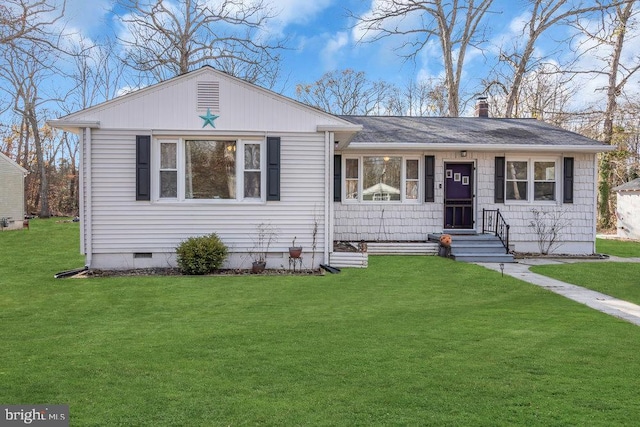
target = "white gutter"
x: 328, y: 205
x: 478, y: 147
x: 73, y: 126
x: 339, y: 128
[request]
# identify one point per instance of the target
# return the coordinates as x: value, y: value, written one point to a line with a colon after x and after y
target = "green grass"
x: 621, y: 248
x: 408, y: 341
x: 617, y: 279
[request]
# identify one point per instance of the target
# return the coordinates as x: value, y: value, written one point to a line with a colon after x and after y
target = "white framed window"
x: 382, y: 179
x: 544, y: 180
x: 252, y: 173
x: 209, y: 170
x: 352, y: 177
x: 531, y: 180
x: 168, y: 169
x: 412, y: 179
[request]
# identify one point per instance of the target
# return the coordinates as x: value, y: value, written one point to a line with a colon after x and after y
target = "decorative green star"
x: 209, y: 118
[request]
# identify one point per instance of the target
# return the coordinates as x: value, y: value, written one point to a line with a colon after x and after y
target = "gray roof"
x: 464, y: 130
x: 633, y: 185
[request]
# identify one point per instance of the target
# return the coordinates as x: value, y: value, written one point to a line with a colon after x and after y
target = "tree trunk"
x: 43, y: 188
x: 605, y: 219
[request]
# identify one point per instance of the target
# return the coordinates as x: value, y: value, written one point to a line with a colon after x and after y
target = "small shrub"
x: 548, y: 226
x: 201, y: 255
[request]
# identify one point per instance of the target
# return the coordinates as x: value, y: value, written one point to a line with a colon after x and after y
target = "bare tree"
x: 166, y: 39
x: 543, y: 15
x: 455, y: 24
x: 96, y: 75
x: 612, y: 33
x: 28, y: 20
x: 544, y: 93
x: 345, y: 92
x: 23, y: 72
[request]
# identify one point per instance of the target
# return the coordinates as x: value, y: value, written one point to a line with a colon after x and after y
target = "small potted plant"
x: 295, y: 251
x: 265, y: 235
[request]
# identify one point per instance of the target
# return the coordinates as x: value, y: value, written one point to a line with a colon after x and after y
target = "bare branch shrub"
x: 548, y: 226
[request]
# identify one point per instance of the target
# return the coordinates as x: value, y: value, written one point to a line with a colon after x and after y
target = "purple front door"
x: 458, y: 195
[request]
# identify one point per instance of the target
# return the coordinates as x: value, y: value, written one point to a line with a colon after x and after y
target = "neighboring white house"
x: 11, y: 192
x: 628, y: 209
x: 206, y: 152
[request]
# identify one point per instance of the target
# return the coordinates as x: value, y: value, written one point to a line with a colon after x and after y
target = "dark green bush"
x: 201, y: 255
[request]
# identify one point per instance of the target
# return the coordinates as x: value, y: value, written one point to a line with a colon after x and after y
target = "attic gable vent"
x: 208, y: 96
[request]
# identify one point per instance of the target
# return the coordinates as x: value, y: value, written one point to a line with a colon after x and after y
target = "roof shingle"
x: 464, y: 130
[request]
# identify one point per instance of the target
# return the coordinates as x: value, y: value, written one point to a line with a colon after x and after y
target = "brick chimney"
x: 482, y: 107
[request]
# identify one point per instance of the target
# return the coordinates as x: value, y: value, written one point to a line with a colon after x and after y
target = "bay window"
x: 382, y: 178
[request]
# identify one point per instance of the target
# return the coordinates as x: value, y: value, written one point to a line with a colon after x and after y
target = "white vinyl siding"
x: 173, y: 105
x: 121, y: 225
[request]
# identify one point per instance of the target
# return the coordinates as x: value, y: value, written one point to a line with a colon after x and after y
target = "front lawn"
x: 617, y: 279
x: 621, y: 248
x: 408, y: 341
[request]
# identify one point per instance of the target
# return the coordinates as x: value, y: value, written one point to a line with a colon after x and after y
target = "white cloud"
x: 362, y: 33
x: 87, y: 17
x: 332, y: 52
x: 299, y: 11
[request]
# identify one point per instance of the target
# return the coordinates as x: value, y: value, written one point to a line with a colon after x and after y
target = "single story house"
x: 206, y: 152
x: 628, y: 209
x: 11, y: 193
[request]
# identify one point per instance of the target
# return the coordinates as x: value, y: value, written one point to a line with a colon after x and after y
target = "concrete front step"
x: 476, y: 248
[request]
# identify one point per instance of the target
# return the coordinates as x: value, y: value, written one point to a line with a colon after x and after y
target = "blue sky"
x: 322, y: 38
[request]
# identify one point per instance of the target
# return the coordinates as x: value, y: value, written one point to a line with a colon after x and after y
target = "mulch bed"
x: 523, y: 255
x: 176, y: 272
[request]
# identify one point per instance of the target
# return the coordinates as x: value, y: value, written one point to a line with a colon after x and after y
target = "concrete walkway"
x: 604, y: 303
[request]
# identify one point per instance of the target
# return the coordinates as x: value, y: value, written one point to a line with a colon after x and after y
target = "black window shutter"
x: 498, y: 191
x: 337, y: 178
x: 273, y: 168
x: 143, y: 167
x: 567, y: 194
x: 429, y: 178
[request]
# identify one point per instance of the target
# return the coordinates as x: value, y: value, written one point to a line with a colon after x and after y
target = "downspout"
x: 328, y: 196
x: 596, y: 175
x: 87, y: 191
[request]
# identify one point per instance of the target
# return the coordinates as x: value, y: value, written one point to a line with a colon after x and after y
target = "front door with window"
x: 458, y: 196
